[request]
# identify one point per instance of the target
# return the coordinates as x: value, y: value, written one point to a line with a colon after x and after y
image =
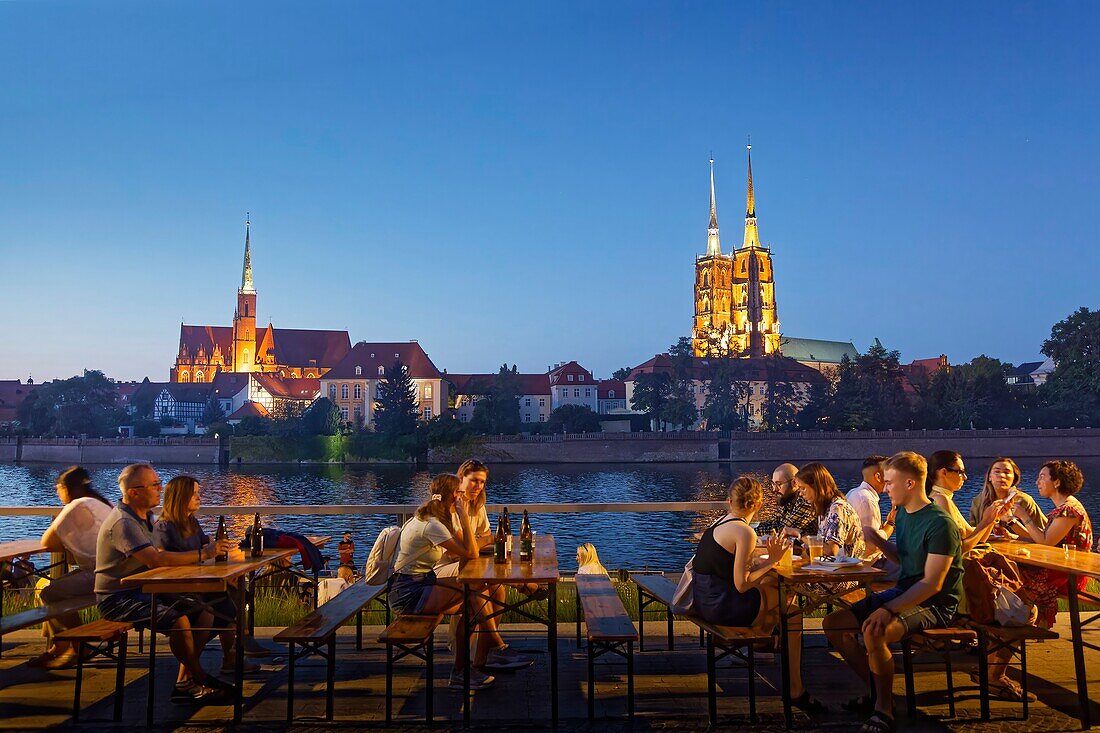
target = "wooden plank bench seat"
x: 412, y: 635
x: 100, y: 638
x: 37, y: 615
x: 316, y: 635
x: 993, y: 638
x: 735, y: 641
x: 653, y: 590
x: 608, y: 630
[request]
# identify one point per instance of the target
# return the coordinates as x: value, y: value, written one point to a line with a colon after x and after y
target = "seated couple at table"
x: 450, y: 528
x: 129, y: 542
x: 928, y: 550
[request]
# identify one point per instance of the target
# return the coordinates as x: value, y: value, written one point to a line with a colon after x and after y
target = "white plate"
x: 839, y: 562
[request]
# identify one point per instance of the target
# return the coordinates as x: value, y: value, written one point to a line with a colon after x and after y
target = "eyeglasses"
x: 959, y: 471
x: 158, y: 486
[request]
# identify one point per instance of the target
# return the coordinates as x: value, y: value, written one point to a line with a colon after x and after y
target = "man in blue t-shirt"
x: 927, y: 594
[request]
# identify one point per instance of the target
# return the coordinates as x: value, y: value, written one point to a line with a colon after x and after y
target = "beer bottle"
x: 500, y: 544
x: 507, y: 533
x: 221, y: 535
x: 526, y: 539
x: 257, y: 537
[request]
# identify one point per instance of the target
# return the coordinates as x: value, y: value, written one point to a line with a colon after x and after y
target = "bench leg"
x: 79, y: 680
x: 120, y: 676
x: 290, y: 684
x: 983, y: 673
x: 1023, y: 673
x: 330, y: 690
x: 712, y: 683
x: 429, y: 701
x: 701, y: 643
x: 641, y: 620
x: 907, y: 665
x: 591, y: 681
x: 630, y: 682
x: 752, y: 685
x: 580, y: 613
x: 389, y: 683
x: 669, y: 619
x: 950, y: 683
x: 359, y: 630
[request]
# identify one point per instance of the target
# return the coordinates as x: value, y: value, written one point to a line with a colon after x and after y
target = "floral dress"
x: 1042, y: 586
x: 842, y: 525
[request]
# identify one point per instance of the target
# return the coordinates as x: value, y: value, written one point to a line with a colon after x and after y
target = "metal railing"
x: 1085, y: 432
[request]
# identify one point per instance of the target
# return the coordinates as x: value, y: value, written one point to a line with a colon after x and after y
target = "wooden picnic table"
x: 19, y: 548
x: 541, y: 570
x: 209, y: 577
x: 1081, y: 563
x: 809, y: 583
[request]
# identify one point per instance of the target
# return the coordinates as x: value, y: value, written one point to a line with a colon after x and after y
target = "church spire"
x: 752, y: 237
x: 714, y: 244
x: 246, y: 275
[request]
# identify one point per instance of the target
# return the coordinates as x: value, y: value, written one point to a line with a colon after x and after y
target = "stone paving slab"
x: 670, y: 690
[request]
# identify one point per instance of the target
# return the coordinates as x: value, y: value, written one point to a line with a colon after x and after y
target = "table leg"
x: 151, y: 696
x: 465, y: 641
x: 1079, y: 656
x: 238, y: 673
x: 785, y: 654
x: 552, y: 642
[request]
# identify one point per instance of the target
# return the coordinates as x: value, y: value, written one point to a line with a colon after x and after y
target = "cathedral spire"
x: 752, y: 237
x: 714, y: 244
x: 246, y: 275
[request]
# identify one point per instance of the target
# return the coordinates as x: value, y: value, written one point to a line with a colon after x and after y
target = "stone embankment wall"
x: 591, y: 449
x: 92, y: 451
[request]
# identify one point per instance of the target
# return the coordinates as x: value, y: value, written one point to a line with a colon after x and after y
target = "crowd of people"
x: 920, y: 543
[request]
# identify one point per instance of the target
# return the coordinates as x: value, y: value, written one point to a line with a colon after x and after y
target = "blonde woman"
x: 414, y: 587
x: 1002, y: 478
x: 588, y: 562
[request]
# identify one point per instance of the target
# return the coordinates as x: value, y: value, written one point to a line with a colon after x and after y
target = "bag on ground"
x: 987, y: 577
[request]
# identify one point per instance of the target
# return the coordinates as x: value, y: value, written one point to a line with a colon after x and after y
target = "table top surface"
x: 15, y: 548
x: 1054, y: 558
x: 542, y: 569
x: 797, y: 573
x: 213, y: 572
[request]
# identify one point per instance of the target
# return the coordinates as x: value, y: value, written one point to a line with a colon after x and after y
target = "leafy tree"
x: 146, y: 428
x: 727, y: 396
x: 498, y: 411
x: 253, y: 425
x: 213, y: 411
x: 679, y: 407
x: 395, y: 411
x: 621, y: 373
x: 222, y: 429
x: 651, y: 392
x: 973, y: 395
x: 782, y: 400
x: 444, y: 430
x: 573, y: 419
x: 84, y: 405
x: 322, y: 418
x: 814, y: 415
x: 1074, y: 387
x: 143, y: 399
x: 869, y: 393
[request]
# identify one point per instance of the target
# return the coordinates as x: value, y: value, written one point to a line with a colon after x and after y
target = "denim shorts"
x: 912, y: 620
x: 408, y: 593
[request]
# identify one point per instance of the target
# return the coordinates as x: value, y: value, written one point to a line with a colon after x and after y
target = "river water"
x: 655, y: 540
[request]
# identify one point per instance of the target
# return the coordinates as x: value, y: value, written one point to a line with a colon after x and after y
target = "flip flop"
x: 879, y: 723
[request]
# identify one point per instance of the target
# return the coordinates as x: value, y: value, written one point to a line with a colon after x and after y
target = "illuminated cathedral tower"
x: 244, y: 318
x: 735, y: 313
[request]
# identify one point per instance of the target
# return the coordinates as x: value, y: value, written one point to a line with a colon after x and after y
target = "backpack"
x: 383, y: 555
x: 986, y: 575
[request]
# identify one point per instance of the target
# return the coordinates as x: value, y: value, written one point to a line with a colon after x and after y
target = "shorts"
x: 133, y: 606
x: 409, y: 593
x: 912, y: 620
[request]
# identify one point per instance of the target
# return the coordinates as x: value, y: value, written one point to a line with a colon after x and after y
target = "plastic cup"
x: 813, y: 545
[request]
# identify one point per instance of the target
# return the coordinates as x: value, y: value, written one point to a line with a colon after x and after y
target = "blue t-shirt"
x: 929, y: 531
x: 168, y: 537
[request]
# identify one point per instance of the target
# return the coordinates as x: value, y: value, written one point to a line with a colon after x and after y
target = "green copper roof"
x: 817, y: 350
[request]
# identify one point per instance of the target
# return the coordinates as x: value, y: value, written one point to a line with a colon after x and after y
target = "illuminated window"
x: 358, y: 370
x: 427, y: 391
x: 184, y: 377
x: 343, y: 391
x: 358, y: 392
x: 199, y: 376
x: 381, y: 371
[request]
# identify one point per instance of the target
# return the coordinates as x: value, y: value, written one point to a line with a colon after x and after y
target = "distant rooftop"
x: 830, y: 352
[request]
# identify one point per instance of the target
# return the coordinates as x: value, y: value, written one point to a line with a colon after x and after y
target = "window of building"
x: 569, y: 377
x: 358, y: 392
x: 428, y: 413
x: 358, y: 413
x: 576, y: 393
x: 611, y: 394
x: 526, y: 401
x: 378, y: 389
x: 358, y: 370
x: 343, y: 413
x: 587, y: 392
x: 580, y: 377
x: 527, y: 417
x: 372, y: 354
x: 427, y: 391
x: 381, y: 371
x: 343, y: 391
x: 184, y: 377
x: 542, y: 417
x: 332, y: 391
x: 199, y: 376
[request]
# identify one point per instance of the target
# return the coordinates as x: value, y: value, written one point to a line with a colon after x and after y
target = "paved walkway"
x: 671, y: 690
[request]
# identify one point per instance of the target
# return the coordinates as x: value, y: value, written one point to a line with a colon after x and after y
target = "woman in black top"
x: 733, y: 589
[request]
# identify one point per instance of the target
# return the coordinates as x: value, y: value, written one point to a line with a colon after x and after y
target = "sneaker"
x: 506, y: 658
x: 478, y: 680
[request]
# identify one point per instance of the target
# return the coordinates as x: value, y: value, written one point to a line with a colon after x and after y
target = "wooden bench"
x: 412, y: 635
x: 316, y: 635
x: 993, y: 638
x: 100, y: 638
x: 38, y: 614
x: 608, y: 629
x: 730, y: 641
x: 652, y: 590
x: 941, y: 642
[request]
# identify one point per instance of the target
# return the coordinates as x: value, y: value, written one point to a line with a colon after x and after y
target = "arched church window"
x: 199, y: 376
x: 245, y: 357
x: 184, y: 377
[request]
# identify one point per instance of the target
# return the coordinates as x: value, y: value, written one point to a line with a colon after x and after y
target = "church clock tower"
x: 244, y: 319
x: 711, y: 330
x: 754, y: 316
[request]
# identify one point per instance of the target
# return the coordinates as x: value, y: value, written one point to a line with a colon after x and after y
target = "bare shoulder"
x: 731, y: 534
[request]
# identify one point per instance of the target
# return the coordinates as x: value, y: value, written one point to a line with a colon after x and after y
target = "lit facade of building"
x: 735, y: 310
x: 206, y: 351
x: 353, y: 384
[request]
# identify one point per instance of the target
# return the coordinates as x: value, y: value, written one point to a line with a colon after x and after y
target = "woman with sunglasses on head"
x: 1002, y: 480
x: 946, y: 475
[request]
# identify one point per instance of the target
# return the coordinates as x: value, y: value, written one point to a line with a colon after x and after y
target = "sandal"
x: 41, y: 660
x: 809, y: 704
x: 1006, y: 689
x: 879, y: 723
x: 862, y: 704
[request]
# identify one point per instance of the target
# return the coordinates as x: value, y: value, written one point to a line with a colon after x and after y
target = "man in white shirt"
x: 865, y: 497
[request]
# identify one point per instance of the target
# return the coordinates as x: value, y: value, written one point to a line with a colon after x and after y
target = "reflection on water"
x: 629, y: 540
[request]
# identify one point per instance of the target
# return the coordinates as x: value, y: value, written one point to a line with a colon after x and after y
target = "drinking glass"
x: 813, y: 547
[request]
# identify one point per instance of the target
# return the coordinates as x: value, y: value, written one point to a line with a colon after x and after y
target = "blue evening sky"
x: 527, y: 182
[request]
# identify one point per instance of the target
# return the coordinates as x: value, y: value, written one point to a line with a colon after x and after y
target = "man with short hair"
x: 926, y: 596
x: 125, y: 547
x: 865, y: 497
x: 794, y: 511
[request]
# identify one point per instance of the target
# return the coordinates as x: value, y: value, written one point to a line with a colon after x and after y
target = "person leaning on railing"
x: 1068, y: 526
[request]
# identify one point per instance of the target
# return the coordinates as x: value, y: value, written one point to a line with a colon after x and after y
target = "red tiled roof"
x: 608, y: 385
x: 370, y: 356
x: 207, y: 337
x: 528, y: 384
x: 928, y: 366
x: 290, y: 346
x: 752, y: 369
x: 249, y: 409
x: 288, y: 388
x: 559, y: 374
